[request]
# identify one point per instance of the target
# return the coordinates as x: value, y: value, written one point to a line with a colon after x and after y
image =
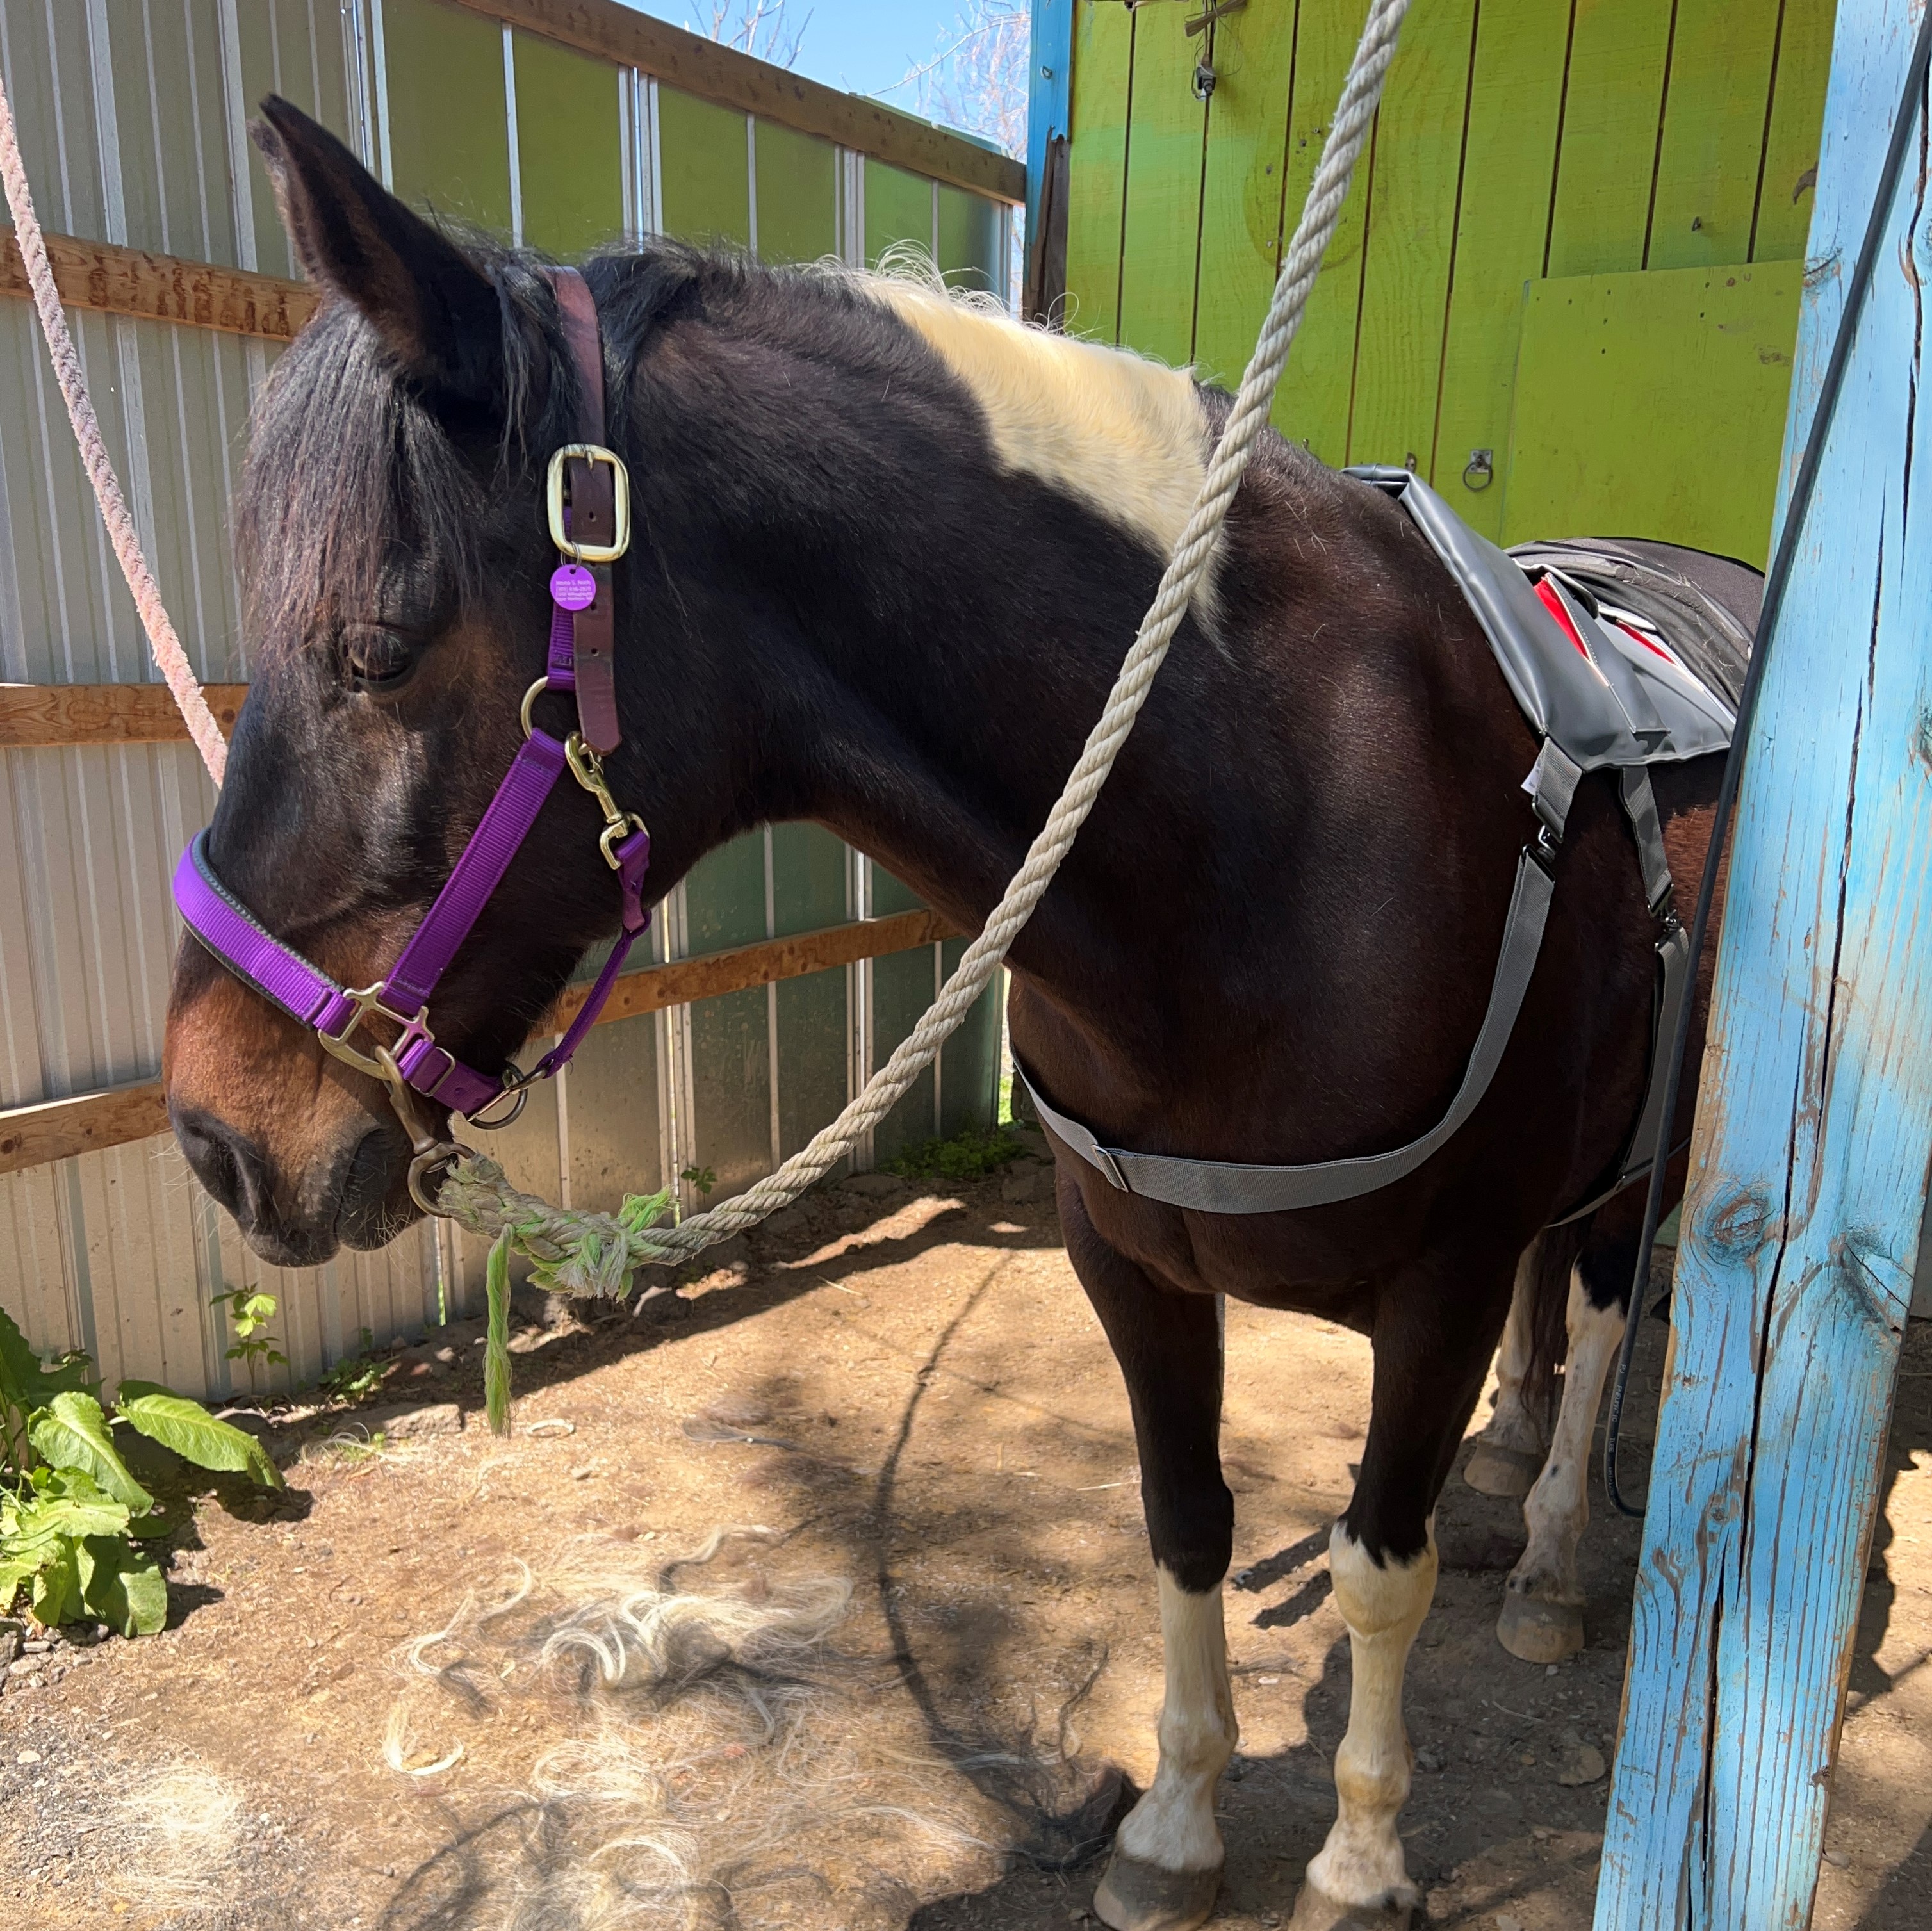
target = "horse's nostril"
x: 229, y: 1166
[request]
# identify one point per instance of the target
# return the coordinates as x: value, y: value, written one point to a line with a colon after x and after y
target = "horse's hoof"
x: 1137, y: 1897
x: 1315, y: 1910
x: 1539, y: 1631
x: 1491, y: 1470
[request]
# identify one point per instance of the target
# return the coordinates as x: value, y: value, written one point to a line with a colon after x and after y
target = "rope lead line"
x: 474, y: 1193
x: 169, y: 655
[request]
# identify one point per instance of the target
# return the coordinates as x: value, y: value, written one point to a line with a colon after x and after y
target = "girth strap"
x: 1221, y: 1186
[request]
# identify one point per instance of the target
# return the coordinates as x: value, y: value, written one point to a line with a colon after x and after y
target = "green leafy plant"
x: 249, y: 1315
x: 970, y: 1155
x: 358, y: 1373
x: 72, y: 1514
x: 702, y: 1178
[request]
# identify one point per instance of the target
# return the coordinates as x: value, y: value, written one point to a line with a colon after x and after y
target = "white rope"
x: 166, y: 647
x: 481, y: 1200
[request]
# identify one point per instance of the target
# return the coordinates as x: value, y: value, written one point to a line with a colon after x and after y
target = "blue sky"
x: 863, y: 45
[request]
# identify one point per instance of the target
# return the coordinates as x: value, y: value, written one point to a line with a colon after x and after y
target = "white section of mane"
x: 1126, y: 435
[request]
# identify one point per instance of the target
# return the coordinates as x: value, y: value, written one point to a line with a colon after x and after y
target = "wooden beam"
x: 1806, y: 1200
x: 109, y: 280
x: 684, y: 980
x: 30, y: 1136
x: 69, y: 714
x: 733, y: 80
x: 55, y: 1129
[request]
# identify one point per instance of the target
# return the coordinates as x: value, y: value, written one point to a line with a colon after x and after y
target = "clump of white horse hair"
x: 633, y: 1744
x: 176, y: 1835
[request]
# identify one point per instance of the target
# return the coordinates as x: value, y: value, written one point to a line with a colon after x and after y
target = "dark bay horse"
x: 889, y: 550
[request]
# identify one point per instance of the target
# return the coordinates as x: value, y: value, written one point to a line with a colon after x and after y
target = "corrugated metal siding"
x: 133, y: 116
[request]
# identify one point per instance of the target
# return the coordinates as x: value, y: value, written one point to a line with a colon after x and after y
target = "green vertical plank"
x: 1609, y: 135
x: 808, y: 869
x: 449, y: 133
x: 1163, y: 207
x: 171, y: 127
x: 570, y: 148
x: 730, y: 1058
x: 898, y: 207
x: 1411, y: 236
x: 1713, y: 130
x: 798, y: 195
x: 1797, y: 121
x: 902, y: 990
x: 969, y: 1060
x: 969, y: 240
x: 285, y: 50
x: 1103, y: 37
x: 1508, y: 165
x: 1312, y: 406
x: 704, y: 164
x: 614, y: 1148
x: 1253, y: 56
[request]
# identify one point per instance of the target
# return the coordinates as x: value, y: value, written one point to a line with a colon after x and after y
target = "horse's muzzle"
x: 359, y: 1198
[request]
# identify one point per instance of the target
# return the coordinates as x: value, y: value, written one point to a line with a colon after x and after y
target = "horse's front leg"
x: 1433, y: 1342
x: 1166, y: 1865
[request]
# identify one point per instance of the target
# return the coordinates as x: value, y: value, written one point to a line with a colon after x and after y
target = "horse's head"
x: 392, y: 542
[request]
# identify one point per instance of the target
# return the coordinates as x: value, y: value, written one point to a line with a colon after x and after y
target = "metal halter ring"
x: 438, y: 1153
x: 516, y: 1084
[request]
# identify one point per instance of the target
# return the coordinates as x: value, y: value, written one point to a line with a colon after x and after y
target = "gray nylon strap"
x: 1219, y: 1186
x: 1673, y: 981
x: 1640, y: 804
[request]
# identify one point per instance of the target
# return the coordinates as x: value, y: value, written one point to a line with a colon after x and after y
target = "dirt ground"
x: 906, y: 1391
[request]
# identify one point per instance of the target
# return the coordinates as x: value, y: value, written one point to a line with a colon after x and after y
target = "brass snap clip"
x: 587, y: 767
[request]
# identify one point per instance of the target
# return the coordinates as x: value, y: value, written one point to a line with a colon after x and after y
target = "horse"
x: 889, y: 548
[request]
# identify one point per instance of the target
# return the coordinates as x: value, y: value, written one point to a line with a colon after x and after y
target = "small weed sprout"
x: 970, y: 1156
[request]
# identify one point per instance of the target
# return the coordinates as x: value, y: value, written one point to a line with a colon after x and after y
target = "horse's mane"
x: 353, y: 477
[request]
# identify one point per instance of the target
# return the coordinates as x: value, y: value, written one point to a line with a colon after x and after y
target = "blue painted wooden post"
x: 1814, y: 1126
x: 1049, y: 90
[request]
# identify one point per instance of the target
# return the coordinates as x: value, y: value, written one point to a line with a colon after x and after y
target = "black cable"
x: 1727, y: 791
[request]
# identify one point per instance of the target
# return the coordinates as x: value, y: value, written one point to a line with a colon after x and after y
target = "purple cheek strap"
x: 588, y: 513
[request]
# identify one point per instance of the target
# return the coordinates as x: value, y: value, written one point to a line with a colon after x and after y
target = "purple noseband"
x: 589, y: 494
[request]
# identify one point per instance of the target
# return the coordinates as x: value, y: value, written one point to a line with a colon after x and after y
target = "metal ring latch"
x: 620, y: 537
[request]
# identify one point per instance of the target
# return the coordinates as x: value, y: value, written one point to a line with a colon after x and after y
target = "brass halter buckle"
x: 620, y: 537
x: 382, y: 1064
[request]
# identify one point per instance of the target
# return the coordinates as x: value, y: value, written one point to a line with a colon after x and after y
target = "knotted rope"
x: 593, y: 1253
x: 166, y: 647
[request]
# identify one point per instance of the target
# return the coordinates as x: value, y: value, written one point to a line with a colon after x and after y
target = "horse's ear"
x: 435, y: 310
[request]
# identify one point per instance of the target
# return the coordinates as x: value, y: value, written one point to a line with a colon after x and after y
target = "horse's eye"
x: 379, y: 661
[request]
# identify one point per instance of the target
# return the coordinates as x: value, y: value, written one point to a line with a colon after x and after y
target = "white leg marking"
x: 1383, y: 1605
x: 1559, y: 1505
x: 1511, y: 1426
x: 1173, y: 1825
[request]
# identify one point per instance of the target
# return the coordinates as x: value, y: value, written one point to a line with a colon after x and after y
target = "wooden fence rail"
x: 55, y: 1129
x: 98, y: 276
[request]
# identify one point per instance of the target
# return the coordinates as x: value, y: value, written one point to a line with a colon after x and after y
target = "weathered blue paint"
x: 1814, y: 1131
x: 1049, y: 90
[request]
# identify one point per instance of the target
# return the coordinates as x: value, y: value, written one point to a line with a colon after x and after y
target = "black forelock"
x: 353, y: 468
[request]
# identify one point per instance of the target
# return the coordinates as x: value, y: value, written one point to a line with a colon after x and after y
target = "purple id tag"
x: 572, y: 587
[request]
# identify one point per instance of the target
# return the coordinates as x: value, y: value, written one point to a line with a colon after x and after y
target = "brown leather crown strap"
x: 591, y: 489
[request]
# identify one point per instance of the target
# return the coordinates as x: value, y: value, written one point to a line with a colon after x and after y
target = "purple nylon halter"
x: 309, y: 995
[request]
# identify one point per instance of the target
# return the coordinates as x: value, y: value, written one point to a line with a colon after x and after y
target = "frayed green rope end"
x: 496, y: 1348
